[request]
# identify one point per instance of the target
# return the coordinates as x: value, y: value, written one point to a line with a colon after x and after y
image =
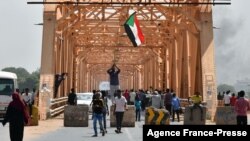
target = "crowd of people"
x: 239, y: 102
x: 18, y: 116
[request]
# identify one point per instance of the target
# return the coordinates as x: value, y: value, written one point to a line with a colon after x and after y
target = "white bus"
x: 8, y: 84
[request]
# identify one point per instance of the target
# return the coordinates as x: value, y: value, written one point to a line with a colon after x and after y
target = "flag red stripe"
x: 139, y: 32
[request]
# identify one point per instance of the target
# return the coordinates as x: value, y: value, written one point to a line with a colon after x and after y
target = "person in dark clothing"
x: 72, y: 99
x: 94, y: 96
x: 98, y: 113
x: 114, y: 80
x: 17, y: 116
x: 142, y: 97
x: 137, y: 108
x: 105, y: 110
x: 168, y: 101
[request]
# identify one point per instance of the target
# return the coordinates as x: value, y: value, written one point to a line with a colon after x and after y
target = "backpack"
x: 97, y: 106
x: 138, y: 104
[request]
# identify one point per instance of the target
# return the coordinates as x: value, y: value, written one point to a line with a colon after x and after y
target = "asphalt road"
x: 53, y: 130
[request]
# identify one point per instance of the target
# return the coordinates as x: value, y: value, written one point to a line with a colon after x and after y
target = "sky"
x: 21, y: 39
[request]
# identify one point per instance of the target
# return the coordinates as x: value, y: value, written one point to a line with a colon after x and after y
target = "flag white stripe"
x: 135, y: 32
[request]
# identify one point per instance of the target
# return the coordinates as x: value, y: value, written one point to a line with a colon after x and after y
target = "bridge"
x: 83, y: 38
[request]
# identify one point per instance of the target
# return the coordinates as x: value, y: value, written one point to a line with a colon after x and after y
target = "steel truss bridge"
x: 83, y: 38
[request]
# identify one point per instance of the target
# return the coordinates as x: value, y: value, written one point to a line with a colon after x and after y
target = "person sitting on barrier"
x: 98, y: 113
x: 196, y: 99
x: 176, y: 107
x: 72, y: 99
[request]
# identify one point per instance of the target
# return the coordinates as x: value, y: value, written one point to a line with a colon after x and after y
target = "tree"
x: 225, y: 87
x: 36, y: 77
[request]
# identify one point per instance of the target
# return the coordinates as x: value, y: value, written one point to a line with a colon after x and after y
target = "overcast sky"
x: 21, y: 40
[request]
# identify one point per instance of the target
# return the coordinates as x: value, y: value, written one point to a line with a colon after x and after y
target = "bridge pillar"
x: 208, y: 62
x: 47, y: 61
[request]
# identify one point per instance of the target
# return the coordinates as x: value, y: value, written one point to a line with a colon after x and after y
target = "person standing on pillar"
x: 114, y: 80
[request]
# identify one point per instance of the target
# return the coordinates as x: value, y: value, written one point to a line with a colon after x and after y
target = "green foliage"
x: 24, y: 78
x: 225, y: 87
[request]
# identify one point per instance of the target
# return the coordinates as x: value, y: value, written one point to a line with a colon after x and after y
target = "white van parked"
x: 8, y: 84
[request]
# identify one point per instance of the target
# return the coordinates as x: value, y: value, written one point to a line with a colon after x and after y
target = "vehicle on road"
x: 8, y: 84
x: 85, y: 99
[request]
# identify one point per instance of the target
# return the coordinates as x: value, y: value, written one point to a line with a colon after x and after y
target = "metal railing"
x: 57, y: 106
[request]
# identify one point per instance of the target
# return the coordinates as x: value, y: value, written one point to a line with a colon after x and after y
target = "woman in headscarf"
x: 17, y: 117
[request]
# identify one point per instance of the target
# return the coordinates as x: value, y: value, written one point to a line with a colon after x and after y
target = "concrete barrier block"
x: 76, y: 116
x: 155, y: 116
x: 128, y: 117
x: 225, y: 116
x: 196, y: 116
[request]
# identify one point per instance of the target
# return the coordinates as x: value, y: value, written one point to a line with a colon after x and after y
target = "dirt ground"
x: 45, y: 126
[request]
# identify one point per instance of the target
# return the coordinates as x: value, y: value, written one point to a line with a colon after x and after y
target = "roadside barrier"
x: 154, y: 116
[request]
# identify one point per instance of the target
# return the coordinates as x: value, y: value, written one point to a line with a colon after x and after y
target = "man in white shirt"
x: 132, y: 97
x: 119, y: 108
x: 156, y: 100
x: 27, y: 100
x: 227, y: 98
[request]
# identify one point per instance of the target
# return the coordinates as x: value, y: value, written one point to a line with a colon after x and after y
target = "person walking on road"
x: 241, y: 108
x: 27, y: 99
x: 119, y: 108
x: 98, y: 113
x: 105, y: 110
x: 17, y: 116
x: 168, y: 101
x: 176, y: 107
x: 137, y: 108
